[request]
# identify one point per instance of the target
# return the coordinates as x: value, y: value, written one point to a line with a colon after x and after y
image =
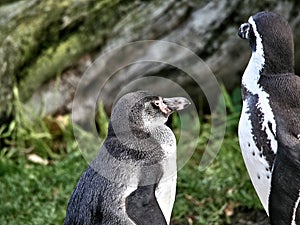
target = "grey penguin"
x: 132, y: 180
x: 269, y: 126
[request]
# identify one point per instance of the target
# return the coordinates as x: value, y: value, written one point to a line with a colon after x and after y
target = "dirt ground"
x: 244, y: 217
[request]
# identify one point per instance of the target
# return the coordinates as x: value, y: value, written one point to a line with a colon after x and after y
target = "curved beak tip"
x: 176, y: 103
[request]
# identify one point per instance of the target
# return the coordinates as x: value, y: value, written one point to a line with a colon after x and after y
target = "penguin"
x: 269, y: 126
x: 132, y: 180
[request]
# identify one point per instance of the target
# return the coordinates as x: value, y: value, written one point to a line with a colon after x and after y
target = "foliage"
x: 29, y: 133
x: 38, y: 194
x: 33, y: 194
x: 102, y: 121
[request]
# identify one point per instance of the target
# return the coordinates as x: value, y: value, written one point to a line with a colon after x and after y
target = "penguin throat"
x: 252, y: 74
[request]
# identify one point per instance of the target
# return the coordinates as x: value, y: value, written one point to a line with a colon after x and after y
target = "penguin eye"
x: 155, y: 104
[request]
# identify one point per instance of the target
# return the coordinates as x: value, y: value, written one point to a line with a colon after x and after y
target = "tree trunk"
x: 46, y: 45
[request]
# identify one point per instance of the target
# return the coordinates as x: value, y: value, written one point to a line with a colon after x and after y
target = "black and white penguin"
x: 269, y: 127
x: 132, y: 180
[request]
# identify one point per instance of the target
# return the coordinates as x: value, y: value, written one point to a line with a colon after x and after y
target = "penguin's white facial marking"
x: 155, y: 113
x: 256, y: 38
x: 244, y: 30
x: 249, y: 31
x: 162, y: 106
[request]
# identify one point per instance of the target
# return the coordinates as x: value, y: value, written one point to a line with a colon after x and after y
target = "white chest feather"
x: 256, y: 164
x: 166, y: 190
x: 259, y: 168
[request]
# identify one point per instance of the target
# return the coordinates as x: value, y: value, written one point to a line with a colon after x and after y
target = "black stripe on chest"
x: 258, y: 131
x: 153, y: 155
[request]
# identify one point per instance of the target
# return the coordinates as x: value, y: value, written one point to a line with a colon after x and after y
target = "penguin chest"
x: 166, y: 189
x: 258, y: 144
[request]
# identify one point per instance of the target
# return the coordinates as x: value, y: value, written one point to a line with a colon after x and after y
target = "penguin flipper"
x: 84, y: 206
x: 143, y: 208
x: 284, y: 199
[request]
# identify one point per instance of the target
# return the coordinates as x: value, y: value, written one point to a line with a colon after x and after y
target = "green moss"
x: 49, y: 64
x: 85, y: 28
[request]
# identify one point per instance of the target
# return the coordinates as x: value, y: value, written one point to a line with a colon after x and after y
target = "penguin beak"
x: 176, y: 103
x: 244, y: 30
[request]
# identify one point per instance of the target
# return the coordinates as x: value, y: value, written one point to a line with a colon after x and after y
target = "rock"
x: 207, y: 28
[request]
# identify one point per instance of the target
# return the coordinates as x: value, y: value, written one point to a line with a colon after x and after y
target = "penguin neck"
x: 128, y: 130
x: 162, y: 134
x: 277, y: 64
x: 261, y: 66
x: 252, y: 74
x: 274, y: 57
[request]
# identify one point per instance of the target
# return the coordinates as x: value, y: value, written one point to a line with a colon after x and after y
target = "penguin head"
x: 156, y: 110
x: 137, y: 112
x: 271, y: 38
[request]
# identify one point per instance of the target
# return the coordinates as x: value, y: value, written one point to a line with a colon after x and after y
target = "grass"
x: 32, y: 193
x: 37, y: 194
